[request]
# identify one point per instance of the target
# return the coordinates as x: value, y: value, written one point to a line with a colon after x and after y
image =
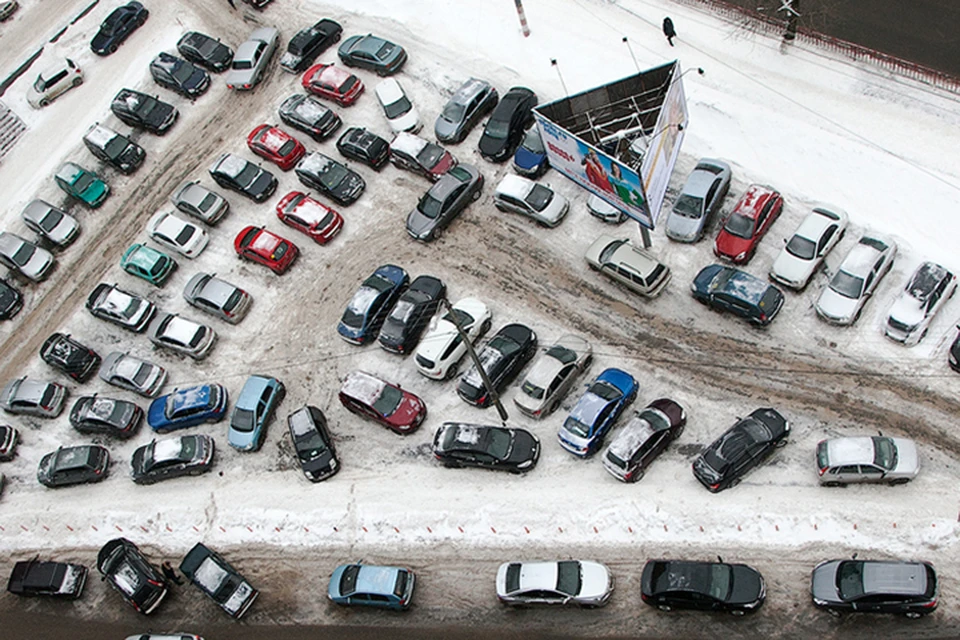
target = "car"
x: 188, y: 455
x: 24, y: 257
x: 179, y: 75
x: 442, y: 348
x: 510, y: 118
x: 631, y: 266
x: 182, y: 335
x: 841, y: 302
x: 11, y: 300
x: 53, y: 82
x: 927, y: 290
x: 502, y: 358
x: 133, y: 374
x: 67, y: 466
x: 372, y: 586
x: 847, y: 460
x: 468, y: 105
x: 251, y: 59
x: 37, y: 577
x: 333, y: 83
x: 257, y: 4
x: 698, y: 201
x: 643, y: 438
x: 530, y: 158
x: 65, y: 354
x: 113, y: 148
x: 401, y: 115
x: 308, y: 43
x: 459, y: 444
x: 133, y: 576
x: 411, y: 313
x: 368, y: 308
x: 33, y: 397
x: 307, y: 215
x: 233, y: 172
x: 336, y: 181
x: 194, y: 199
x: 218, y: 580
x: 604, y: 211
x: 93, y: 414
x: 746, y: 225
x: 703, y: 586
x: 532, y: 199
x: 276, y: 145
x: 51, y: 223
x: 415, y: 154
x: 267, y: 248
x: 164, y: 636
x: 82, y: 184
x: 743, y: 446
x: 875, y: 586
x: 217, y: 297
x: 124, y: 309
x: 173, y: 232
x: 9, y: 439
x: 552, y: 375
x: 7, y: 9
x: 253, y: 411
x: 147, y: 263
x: 312, y: 443
x: 597, y: 410
x: 803, y: 253
x: 376, y: 399
x: 372, y: 53
x: 187, y: 408
x: 364, y: 146
x: 117, y: 27
x: 307, y: 114
x: 444, y: 201
x: 581, y: 582
x: 143, y: 111
x: 953, y: 357
x: 724, y: 288
x: 201, y: 49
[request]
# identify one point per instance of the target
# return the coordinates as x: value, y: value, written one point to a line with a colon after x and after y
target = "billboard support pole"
x: 645, y: 236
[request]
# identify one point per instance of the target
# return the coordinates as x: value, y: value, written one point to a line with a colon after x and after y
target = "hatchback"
x: 368, y: 308
x: 267, y: 248
x: 217, y: 297
x: 847, y: 460
x: 124, y: 309
x: 276, y: 145
x: 372, y: 586
x: 188, y: 455
x: 179, y: 75
x: 581, y: 582
x: 68, y: 356
x: 218, y: 580
x: 50, y: 223
x: 841, y: 302
x: 468, y: 105
x: 444, y: 201
x: 45, y: 578
x: 53, y: 82
x: 133, y: 374
x: 182, y: 335
x: 699, y: 199
x: 33, y: 397
x: 420, y: 156
x: 177, y: 234
x: 727, y: 289
x: 234, y: 172
x: 133, y: 576
x: 746, y: 225
x: 307, y: 215
x: 442, y: 348
x: 253, y: 411
x: 375, y: 399
x: 312, y: 442
x: 143, y: 111
x: 530, y: 159
x: 333, y: 83
x: 333, y: 179
x: 510, y: 118
x: 205, y: 51
x: 23, y: 256
x: 364, y: 146
x: 400, y: 113
x: 187, y: 408
x: 372, y: 53
x: 148, y: 263
x: 117, y: 150
x: 502, y: 358
x: 604, y: 211
x: 875, y: 586
x: 531, y: 199
x: 308, y: 43
x: 631, y: 266
x: 804, y: 252
x: 96, y: 415
x: 745, y: 445
x: 196, y: 200
x: 927, y: 290
x: 643, y: 438
x: 67, y: 466
x: 458, y: 444
x: 306, y: 114
x: 703, y: 586
x: 82, y: 184
x: 411, y: 313
x: 552, y: 375
x: 597, y: 410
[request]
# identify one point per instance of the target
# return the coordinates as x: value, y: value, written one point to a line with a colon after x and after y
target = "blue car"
x: 372, y: 586
x: 369, y: 306
x: 530, y: 160
x: 596, y: 412
x: 254, y: 408
x: 187, y: 408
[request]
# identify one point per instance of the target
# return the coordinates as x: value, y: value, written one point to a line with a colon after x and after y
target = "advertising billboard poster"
x: 664, y: 147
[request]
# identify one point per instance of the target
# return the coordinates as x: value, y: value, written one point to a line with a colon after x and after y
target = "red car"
x: 309, y: 216
x: 333, y: 83
x: 259, y: 245
x: 745, y: 226
x: 276, y: 145
x: 378, y: 400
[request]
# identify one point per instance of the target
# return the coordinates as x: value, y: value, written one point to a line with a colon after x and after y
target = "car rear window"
x: 348, y: 580
x: 401, y: 586
x: 513, y: 578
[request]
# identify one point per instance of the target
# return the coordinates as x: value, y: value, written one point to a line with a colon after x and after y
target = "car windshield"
x: 576, y: 427
x: 347, y: 85
x: 207, y: 203
x: 142, y: 374
x: 115, y: 147
x: 429, y: 206
x: 532, y: 390
x: 605, y: 390
x: 310, y: 445
x: 182, y: 72
x: 246, y: 177
x: 496, y: 129
x: 23, y: 254
x: 539, y: 197
x: 397, y: 108
x: 721, y: 581
x: 884, y: 453
x: 802, y: 248
x: 40, y: 85
x: 287, y: 148
x: 208, y: 48
x: 243, y: 420
x: 145, y: 106
x: 532, y: 141
x: 498, y: 444
x: 185, y: 234
x: 850, y: 580
x: 333, y: 175
x: 50, y: 220
x: 241, y: 65
x: 568, y: 577
x: 48, y: 393
x: 83, y: 182
x: 740, y: 226
x: 453, y: 112
x: 688, y: 206
x: 388, y: 401
x: 847, y: 285
x: 430, y: 155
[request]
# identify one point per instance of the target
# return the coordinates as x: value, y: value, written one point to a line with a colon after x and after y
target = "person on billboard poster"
x: 623, y: 188
x: 596, y: 174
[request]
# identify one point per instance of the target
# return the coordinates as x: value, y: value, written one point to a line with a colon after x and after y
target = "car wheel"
x: 112, y: 49
x: 734, y: 483
x: 476, y: 196
x: 899, y: 481
x: 451, y: 373
x: 737, y: 612
x: 834, y: 613
x: 437, y: 233
x: 485, y: 326
x: 77, y: 82
x: 664, y: 607
x: 44, y: 103
x: 162, y: 430
x: 678, y: 432
x: 833, y: 484
x: 637, y: 476
x: 913, y: 615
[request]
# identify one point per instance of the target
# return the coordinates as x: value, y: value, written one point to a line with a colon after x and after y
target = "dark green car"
x: 84, y: 185
x: 148, y: 263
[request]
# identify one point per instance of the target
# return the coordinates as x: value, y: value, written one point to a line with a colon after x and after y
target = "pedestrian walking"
x: 169, y: 573
x: 668, y: 30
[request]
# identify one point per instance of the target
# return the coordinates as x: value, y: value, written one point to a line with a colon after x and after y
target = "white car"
x: 57, y: 226
x: 581, y: 582
x: 177, y: 234
x: 819, y: 232
x: 926, y: 292
x: 182, y: 335
x: 552, y: 375
x: 851, y: 286
x: 441, y: 349
x: 54, y: 81
x: 22, y: 255
x: 251, y: 59
x: 400, y: 113
x: 532, y: 199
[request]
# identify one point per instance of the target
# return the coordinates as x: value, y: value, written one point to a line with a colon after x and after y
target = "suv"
x: 116, y: 150
x: 728, y: 289
x: 364, y: 146
x: 631, y: 266
x: 131, y: 574
x: 45, y: 578
x: 867, y: 459
x: 140, y: 110
x: 64, y: 353
x: 468, y: 105
x: 218, y: 580
x: 254, y: 408
x: 926, y: 292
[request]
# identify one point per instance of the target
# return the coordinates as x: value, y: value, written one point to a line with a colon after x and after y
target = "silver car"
x: 867, y: 459
x: 851, y: 286
x: 532, y: 199
x: 473, y: 100
x: 926, y: 292
x: 217, y: 297
x: 33, y: 397
x: 24, y: 256
x: 700, y: 198
x: 196, y: 200
x: 182, y: 335
x: 133, y: 374
x: 631, y: 266
x: 819, y: 232
x: 552, y: 375
x: 581, y: 582
x: 57, y: 226
x: 251, y: 59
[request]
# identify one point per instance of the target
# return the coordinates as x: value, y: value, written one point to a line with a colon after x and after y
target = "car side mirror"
x: 785, y: 241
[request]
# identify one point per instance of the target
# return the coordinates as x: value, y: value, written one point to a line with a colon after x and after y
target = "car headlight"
x: 524, y: 465
x: 693, y: 287
x: 333, y: 464
x: 741, y: 255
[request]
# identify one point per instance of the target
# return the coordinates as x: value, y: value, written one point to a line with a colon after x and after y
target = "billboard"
x: 664, y: 147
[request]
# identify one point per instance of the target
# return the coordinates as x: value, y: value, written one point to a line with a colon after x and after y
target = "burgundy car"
x: 375, y: 399
x: 309, y: 216
x: 270, y: 250
x: 745, y: 226
x: 276, y: 145
x: 333, y: 83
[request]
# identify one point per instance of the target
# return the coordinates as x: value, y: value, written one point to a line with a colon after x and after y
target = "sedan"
x: 203, y: 204
x: 117, y: 27
x: 205, y: 51
x: 82, y: 184
x: 49, y: 222
x: 67, y: 466
x: 251, y: 59
x: 727, y: 289
x: 375, y: 399
x: 147, y: 263
x: 506, y: 125
x: 530, y: 159
x: 531, y: 199
x: 372, y: 586
x: 308, y: 43
x: 842, y: 461
x: 309, y: 216
x: 124, y: 309
x: 400, y: 113
x: 458, y: 444
x: 188, y: 455
x: 131, y: 574
x: 372, y: 53
x: 187, y: 408
x: 442, y: 348
x: 334, y: 180
x: 25, y: 257
x: 33, y: 397
x: 253, y: 411
x: 745, y: 445
x: 804, y: 252
x: 699, y: 199
x: 594, y: 415
x: 11, y: 300
x: 552, y: 375
x: 261, y: 246
x: 53, y: 82
x: 45, y: 578
x: 218, y: 580
x: 65, y: 354
x: 364, y: 146
x: 746, y: 225
x: 502, y: 358
x: 146, y: 112
x: 927, y: 290
x: 855, y: 281
x: 581, y: 582
x: 466, y: 107
x: 367, y: 309
x: 420, y: 156
x: 217, y: 297
x: 411, y: 313
x: 875, y: 586
x: 332, y: 83
x: 643, y: 438
x: 179, y: 75
x: 175, y: 233
x: 703, y: 586
x: 633, y: 267
x: 444, y: 201
x: 233, y: 172
x: 93, y: 414
x: 312, y: 442
x: 133, y: 374
x: 182, y: 335
x: 276, y: 145
x: 306, y: 114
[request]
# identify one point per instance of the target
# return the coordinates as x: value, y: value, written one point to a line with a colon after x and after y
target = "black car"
x: 92, y: 414
x: 643, y: 438
x: 118, y: 151
x: 953, y: 357
x: 705, y: 586
x: 502, y: 358
x: 372, y: 53
x: 11, y: 300
x: 458, y: 444
x: 411, y: 313
x: 140, y: 110
x: 312, y: 442
x: 308, y: 43
x: 179, y: 75
x: 9, y: 438
x: 506, y: 125
x: 131, y: 574
x: 45, y: 578
x: 62, y: 352
x: 205, y: 51
x: 118, y: 26
x: 745, y: 445
x: 875, y: 586
x: 310, y: 116
x: 74, y: 465
x: 218, y: 580
x: 188, y: 455
x: 234, y: 172
x: 334, y: 180
x: 364, y: 146
x: 727, y: 289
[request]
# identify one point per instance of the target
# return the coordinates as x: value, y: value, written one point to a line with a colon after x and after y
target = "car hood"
x: 261, y: 183
x: 446, y: 130
x: 837, y: 307
x: 493, y: 147
x: 823, y: 582
x: 290, y: 60
x: 406, y: 413
x: 101, y: 42
x: 683, y: 228
x: 525, y: 447
x: 161, y: 113
x: 555, y: 211
x: 419, y: 225
x: 242, y: 439
x: 38, y: 263
x: 908, y: 460
x: 528, y: 160
x: 907, y: 310
x: 791, y: 269
x: 730, y: 246
x: 748, y: 586
x: 96, y: 191
x: 407, y: 122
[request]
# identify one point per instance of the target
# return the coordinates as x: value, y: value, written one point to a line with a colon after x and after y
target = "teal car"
x: 148, y: 263
x: 82, y: 184
x: 255, y: 407
x: 372, y: 586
